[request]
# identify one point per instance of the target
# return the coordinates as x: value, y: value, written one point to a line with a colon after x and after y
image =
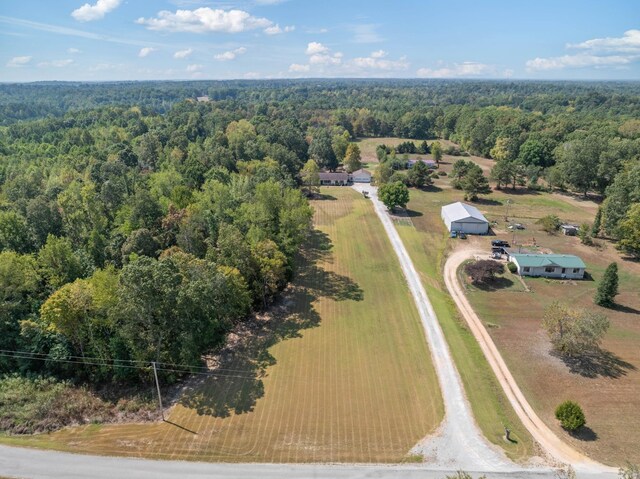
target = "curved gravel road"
x: 551, y: 443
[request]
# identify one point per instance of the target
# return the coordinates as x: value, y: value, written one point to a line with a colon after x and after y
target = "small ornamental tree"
x: 483, y: 270
x: 570, y: 416
x: 608, y: 287
x: 550, y: 223
x: 394, y: 194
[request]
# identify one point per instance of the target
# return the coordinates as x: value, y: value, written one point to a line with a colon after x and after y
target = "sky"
x: 106, y: 40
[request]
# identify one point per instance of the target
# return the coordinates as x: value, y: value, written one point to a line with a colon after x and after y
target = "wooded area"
x: 137, y: 224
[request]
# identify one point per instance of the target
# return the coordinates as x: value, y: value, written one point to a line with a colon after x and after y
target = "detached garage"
x: 464, y: 218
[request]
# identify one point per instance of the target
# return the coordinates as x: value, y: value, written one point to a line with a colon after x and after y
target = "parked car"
x: 453, y: 234
x: 462, y: 236
x: 500, y: 243
x: 517, y: 226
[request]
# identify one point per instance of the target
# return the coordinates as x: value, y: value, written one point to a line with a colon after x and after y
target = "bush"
x: 483, y: 270
x: 570, y: 416
x: 442, y: 173
x: 550, y: 223
x: 511, y: 266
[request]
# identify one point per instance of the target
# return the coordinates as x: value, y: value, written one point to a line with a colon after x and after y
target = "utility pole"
x: 506, y: 215
x: 155, y: 374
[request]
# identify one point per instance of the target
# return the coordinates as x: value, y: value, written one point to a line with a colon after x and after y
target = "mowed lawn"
x: 345, y: 372
x: 427, y: 242
x: 607, y: 386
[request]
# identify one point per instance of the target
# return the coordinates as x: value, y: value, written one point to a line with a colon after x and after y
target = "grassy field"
x: 348, y: 374
x: 426, y: 240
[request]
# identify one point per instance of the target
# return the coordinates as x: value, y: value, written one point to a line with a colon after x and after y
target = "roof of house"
x: 569, y: 227
x: 460, y: 211
x: 538, y: 260
x: 361, y: 171
x: 324, y: 175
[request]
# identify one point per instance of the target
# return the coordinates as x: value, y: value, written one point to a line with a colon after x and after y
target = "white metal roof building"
x: 464, y: 218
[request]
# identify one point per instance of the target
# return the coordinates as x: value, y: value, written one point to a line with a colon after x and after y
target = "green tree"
x: 608, y: 287
x: 321, y: 150
x: 597, y: 223
x: 58, y: 263
x: 352, y: 160
x: 394, y: 195
x: 419, y: 175
x: 271, y: 268
x: 340, y: 143
x: 502, y: 173
x: 140, y: 242
x: 475, y: 183
x: 550, y: 223
x: 382, y: 174
x: 629, y: 231
x: 574, y: 332
x: 436, y: 152
x: 579, y: 161
x: 570, y: 415
x: 14, y: 233
x: 240, y: 135
x: 459, y: 171
x: 310, y: 176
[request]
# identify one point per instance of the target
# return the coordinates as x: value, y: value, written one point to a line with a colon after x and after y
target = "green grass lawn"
x: 348, y: 373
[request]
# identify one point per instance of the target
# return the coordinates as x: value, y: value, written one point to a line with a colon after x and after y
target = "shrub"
x: 550, y: 223
x: 511, y: 266
x: 570, y: 416
x: 630, y: 471
x: 483, y: 270
x: 442, y: 173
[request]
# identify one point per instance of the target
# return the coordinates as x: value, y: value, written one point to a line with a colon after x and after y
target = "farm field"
x: 340, y: 372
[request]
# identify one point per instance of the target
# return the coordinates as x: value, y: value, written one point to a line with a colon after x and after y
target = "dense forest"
x: 139, y: 225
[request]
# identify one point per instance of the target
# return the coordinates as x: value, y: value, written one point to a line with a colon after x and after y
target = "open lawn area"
x: 608, y: 385
x: 338, y: 372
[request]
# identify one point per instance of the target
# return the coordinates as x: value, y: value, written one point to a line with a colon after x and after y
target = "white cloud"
x: 276, y: 30
x: 194, y: 68
x: 146, y: 51
x: 205, y: 20
x: 366, y: 33
x: 230, y: 55
x: 56, y: 63
x: 578, y: 61
x: 17, y: 62
x: 183, y: 53
x: 628, y: 43
x: 376, y: 61
x: 298, y: 68
x: 596, y: 53
x: 314, y: 48
x: 464, y: 69
x: 73, y: 51
x: 88, y: 13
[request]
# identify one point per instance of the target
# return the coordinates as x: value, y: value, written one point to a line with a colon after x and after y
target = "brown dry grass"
x: 347, y: 373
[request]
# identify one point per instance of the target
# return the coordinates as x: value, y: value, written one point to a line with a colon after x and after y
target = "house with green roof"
x: 549, y: 265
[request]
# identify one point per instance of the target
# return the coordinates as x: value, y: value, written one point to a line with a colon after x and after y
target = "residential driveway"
x: 551, y: 443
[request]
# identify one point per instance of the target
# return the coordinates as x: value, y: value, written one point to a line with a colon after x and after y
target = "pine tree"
x: 475, y: 183
x: 608, y: 287
x: 597, y: 223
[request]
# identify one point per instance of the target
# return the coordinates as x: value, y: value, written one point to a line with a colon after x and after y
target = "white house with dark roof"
x: 333, y: 178
x: 464, y: 218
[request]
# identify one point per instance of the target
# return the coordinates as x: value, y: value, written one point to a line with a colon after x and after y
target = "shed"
x: 549, y: 265
x: 361, y: 176
x: 464, y: 218
x: 333, y: 179
x: 569, y: 230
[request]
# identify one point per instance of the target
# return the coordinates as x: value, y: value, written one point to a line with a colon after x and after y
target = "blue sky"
x: 200, y: 39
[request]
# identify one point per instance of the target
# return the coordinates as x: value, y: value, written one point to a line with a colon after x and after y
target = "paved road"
x: 459, y: 442
x: 38, y: 464
x: 551, y: 443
